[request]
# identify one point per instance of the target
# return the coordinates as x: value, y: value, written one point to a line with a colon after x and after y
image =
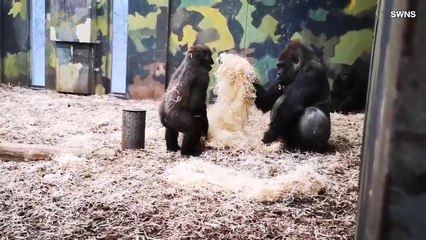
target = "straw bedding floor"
x: 130, y: 195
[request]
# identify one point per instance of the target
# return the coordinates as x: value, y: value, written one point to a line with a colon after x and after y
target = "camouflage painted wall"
x: 78, y: 45
x: 147, y: 48
x: 15, y: 42
x: 339, y: 31
x: 159, y: 33
x: 102, y: 79
x: 73, y: 21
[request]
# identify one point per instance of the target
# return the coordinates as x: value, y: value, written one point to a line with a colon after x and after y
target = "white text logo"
x: 403, y: 14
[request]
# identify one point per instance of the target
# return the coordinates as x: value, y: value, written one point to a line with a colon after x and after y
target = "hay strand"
x: 229, y: 115
x: 303, y: 182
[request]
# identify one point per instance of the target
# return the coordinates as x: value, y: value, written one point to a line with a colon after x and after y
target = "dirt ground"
x: 126, y: 196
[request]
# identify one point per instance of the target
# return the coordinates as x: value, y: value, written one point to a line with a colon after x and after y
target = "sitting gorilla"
x: 183, y: 108
x: 349, y: 92
x: 299, y: 99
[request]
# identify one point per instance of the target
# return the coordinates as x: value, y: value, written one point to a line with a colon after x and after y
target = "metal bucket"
x: 133, y: 129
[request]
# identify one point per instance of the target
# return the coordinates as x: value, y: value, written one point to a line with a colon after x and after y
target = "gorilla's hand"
x: 265, y: 98
x: 258, y: 86
x: 269, y: 137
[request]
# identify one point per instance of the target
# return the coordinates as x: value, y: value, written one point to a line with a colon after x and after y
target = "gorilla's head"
x: 203, y: 54
x: 290, y: 61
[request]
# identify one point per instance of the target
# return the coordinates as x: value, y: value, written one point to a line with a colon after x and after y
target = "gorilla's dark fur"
x: 349, y: 93
x: 183, y: 108
x: 299, y: 99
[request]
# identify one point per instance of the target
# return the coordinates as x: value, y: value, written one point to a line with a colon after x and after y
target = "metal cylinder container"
x: 133, y: 129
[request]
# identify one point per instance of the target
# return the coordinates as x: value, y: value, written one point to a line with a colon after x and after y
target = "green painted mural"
x: 147, y: 48
x: 73, y: 21
x: 102, y: 62
x: 15, y: 42
x: 78, y: 46
x: 340, y: 33
x: 72, y: 26
x: 78, y: 40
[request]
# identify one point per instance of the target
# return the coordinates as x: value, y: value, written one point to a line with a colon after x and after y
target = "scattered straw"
x: 128, y: 197
x: 303, y: 182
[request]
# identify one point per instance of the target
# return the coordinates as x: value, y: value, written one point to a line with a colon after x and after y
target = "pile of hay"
x: 128, y: 197
x: 236, y: 94
x: 304, y: 182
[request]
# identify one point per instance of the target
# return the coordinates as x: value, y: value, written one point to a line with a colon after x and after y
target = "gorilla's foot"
x: 194, y: 153
x: 173, y: 148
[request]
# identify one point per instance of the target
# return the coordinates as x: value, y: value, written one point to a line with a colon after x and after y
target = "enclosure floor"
x: 127, y: 195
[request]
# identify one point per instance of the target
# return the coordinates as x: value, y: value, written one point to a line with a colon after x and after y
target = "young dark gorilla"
x: 183, y: 108
x: 299, y: 99
x: 349, y: 92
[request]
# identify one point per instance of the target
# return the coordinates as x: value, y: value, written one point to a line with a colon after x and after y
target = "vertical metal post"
x: 38, y: 43
x: 120, y: 9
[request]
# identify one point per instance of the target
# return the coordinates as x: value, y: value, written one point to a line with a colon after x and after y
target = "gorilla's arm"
x: 298, y: 98
x: 265, y: 99
x: 179, y: 70
x: 289, y: 111
x: 197, y: 100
